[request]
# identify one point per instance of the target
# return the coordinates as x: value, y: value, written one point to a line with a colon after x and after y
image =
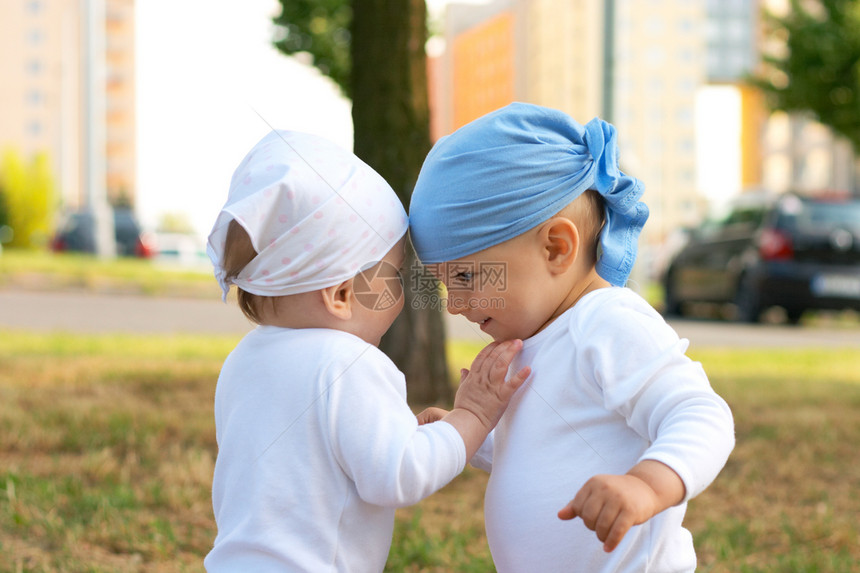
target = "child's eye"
x: 464, y: 277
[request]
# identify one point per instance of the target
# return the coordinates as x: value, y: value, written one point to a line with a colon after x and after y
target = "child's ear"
x: 560, y: 243
x: 338, y: 299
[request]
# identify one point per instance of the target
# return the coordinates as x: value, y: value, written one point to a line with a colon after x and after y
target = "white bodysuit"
x: 610, y: 386
x: 316, y: 449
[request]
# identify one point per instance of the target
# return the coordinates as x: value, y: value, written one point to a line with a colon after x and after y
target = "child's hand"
x: 430, y: 415
x: 484, y: 394
x: 483, y: 389
x: 610, y: 505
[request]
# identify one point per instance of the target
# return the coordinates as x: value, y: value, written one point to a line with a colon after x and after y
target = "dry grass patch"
x: 107, y: 448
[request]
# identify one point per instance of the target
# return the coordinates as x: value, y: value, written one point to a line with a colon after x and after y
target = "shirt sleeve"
x: 640, y: 367
x: 377, y: 440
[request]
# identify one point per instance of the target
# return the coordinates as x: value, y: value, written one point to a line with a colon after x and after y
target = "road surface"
x: 93, y: 313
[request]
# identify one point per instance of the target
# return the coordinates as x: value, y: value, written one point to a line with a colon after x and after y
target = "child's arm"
x: 482, y: 396
x: 610, y: 505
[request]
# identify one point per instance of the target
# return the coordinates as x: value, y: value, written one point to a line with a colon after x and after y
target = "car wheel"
x: 671, y: 304
x: 793, y: 315
x: 747, y: 300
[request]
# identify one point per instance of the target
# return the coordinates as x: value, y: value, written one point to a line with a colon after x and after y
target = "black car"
x: 77, y: 233
x: 790, y: 251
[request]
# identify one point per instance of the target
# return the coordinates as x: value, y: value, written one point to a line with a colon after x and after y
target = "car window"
x: 736, y: 219
x: 816, y: 216
x: 830, y: 215
x: 745, y: 217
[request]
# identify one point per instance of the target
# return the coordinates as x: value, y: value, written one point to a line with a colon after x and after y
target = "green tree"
x: 29, y: 198
x: 374, y: 49
x: 819, y: 69
x: 319, y: 28
x: 175, y: 223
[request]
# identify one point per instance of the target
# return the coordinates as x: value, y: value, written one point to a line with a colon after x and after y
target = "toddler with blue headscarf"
x: 526, y: 218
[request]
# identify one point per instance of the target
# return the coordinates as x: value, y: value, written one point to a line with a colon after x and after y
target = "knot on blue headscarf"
x: 625, y: 214
x: 510, y: 170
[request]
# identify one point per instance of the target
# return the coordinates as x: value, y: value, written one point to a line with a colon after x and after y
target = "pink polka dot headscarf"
x: 316, y: 215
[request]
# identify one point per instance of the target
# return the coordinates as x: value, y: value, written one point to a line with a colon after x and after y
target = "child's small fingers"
x: 505, y: 353
x: 567, y: 512
x: 574, y: 507
x: 483, y: 355
x: 496, y: 355
x: 520, y: 378
x: 430, y: 415
x: 605, y: 520
x: 616, y: 533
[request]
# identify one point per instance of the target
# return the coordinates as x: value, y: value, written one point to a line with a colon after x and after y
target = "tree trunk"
x: 391, y: 118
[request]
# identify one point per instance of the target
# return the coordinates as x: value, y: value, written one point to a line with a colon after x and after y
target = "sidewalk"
x: 92, y: 313
x: 74, y: 311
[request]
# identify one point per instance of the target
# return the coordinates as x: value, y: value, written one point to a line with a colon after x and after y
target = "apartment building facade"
x: 41, y: 98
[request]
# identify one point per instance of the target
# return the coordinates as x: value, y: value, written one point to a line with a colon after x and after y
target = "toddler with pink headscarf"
x: 316, y: 444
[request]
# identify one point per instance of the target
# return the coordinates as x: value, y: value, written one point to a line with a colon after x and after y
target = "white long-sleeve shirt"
x: 610, y: 386
x: 316, y: 449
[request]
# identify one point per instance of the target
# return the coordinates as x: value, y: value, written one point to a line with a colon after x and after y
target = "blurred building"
x: 732, y: 39
x: 658, y: 68
x: 41, y: 93
x: 779, y: 152
x: 540, y: 51
x: 637, y: 64
x: 670, y: 74
x: 733, y: 33
x: 798, y: 153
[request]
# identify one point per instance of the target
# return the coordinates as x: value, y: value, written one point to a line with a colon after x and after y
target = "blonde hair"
x: 588, y: 213
x: 238, y: 252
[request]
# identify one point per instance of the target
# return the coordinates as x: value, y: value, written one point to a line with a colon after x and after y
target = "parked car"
x: 791, y: 251
x: 77, y: 233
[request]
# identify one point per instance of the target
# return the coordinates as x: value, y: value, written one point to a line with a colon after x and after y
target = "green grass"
x: 107, y: 449
x: 45, y: 270
x: 787, y: 499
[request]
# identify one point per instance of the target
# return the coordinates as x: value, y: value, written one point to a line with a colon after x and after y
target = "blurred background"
x: 188, y: 86
x: 121, y: 123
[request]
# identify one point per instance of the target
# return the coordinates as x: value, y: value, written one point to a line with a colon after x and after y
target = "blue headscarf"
x: 512, y: 169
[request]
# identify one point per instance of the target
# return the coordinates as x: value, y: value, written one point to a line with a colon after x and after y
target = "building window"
x: 686, y: 85
x: 655, y: 56
x: 686, y: 26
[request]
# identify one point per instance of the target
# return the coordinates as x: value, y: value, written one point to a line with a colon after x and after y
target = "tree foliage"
x: 320, y: 28
x: 175, y: 223
x: 28, y: 197
x: 819, y: 69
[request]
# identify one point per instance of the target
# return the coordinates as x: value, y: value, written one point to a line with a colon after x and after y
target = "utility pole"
x: 608, y: 60
x: 94, y: 85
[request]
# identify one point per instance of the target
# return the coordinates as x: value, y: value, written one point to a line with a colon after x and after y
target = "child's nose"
x: 456, y: 303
